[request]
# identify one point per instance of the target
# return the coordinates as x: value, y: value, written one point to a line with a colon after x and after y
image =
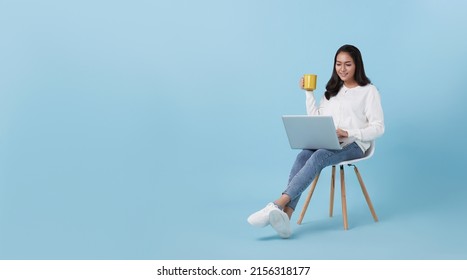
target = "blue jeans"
x: 309, y: 163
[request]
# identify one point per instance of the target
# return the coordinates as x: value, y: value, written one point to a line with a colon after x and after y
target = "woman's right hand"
x: 302, y: 83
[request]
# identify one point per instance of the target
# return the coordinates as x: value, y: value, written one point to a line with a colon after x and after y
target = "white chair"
x: 368, y: 154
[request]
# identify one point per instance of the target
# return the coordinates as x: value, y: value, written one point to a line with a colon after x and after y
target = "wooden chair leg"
x: 344, y: 202
x: 308, y: 198
x: 365, y: 193
x: 331, y: 200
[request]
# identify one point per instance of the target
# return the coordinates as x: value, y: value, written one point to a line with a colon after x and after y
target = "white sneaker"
x: 280, y: 222
x: 261, y: 217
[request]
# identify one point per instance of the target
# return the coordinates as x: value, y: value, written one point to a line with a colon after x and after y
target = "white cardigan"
x: 356, y: 110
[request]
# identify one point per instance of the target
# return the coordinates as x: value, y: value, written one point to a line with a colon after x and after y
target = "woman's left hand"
x: 342, y: 133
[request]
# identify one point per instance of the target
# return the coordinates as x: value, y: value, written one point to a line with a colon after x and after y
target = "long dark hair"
x: 335, y: 83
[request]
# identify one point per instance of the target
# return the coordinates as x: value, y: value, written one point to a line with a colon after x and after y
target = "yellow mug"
x: 309, y: 81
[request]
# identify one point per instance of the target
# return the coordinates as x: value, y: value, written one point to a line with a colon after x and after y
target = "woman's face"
x: 345, y: 67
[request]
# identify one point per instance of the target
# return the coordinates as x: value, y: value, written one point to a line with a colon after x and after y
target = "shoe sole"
x: 280, y: 222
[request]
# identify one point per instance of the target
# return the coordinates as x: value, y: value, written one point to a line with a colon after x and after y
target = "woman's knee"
x: 321, y: 158
x: 304, y: 155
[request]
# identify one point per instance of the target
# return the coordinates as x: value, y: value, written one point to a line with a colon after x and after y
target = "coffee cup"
x: 309, y: 81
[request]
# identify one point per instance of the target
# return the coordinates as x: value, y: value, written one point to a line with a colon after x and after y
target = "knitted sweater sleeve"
x: 375, y: 118
x: 311, y: 107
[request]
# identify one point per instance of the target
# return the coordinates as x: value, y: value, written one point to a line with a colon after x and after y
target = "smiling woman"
x: 356, y: 109
x: 348, y: 71
x: 345, y: 68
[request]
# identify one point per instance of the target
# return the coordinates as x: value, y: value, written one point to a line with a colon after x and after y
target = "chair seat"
x: 368, y: 154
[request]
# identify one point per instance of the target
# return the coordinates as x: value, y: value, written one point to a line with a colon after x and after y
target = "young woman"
x: 355, y: 105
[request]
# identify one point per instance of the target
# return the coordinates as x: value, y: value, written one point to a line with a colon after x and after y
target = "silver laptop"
x: 311, y: 132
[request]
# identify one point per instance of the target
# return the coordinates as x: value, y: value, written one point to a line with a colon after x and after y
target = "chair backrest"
x: 371, y: 150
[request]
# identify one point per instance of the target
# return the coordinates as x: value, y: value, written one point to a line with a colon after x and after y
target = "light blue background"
x: 151, y: 129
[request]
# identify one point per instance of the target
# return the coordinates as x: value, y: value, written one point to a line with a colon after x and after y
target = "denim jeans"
x: 309, y: 163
